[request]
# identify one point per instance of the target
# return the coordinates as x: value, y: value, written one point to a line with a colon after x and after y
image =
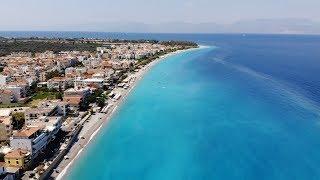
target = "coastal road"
x: 89, y: 129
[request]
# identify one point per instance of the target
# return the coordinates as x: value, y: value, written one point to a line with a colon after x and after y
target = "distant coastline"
x: 138, y: 35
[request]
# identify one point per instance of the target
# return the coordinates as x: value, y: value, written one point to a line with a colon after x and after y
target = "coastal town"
x: 55, y: 94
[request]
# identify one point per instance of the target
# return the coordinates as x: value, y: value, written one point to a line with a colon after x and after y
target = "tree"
x: 100, y: 101
x: 59, y: 96
x: 52, y: 74
x: 32, y: 89
x: 18, y: 120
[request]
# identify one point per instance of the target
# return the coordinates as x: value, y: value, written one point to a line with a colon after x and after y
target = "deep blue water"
x: 246, y: 107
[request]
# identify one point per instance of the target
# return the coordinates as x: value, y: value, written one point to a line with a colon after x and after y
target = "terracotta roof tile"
x: 18, y: 153
x: 73, y: 100
x: 26, y: 132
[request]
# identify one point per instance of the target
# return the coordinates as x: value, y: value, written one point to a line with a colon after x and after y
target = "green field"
x: 45, y: 95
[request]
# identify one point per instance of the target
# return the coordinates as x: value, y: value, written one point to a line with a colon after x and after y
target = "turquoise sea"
x: 204, y: 114
x: 245, y: 108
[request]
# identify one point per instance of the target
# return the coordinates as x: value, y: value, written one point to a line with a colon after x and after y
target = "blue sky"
x: 46, y: 14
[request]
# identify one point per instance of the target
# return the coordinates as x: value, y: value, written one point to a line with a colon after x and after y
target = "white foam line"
x: 63, y: 172
x: 114, y: 109
x: 94, y: 134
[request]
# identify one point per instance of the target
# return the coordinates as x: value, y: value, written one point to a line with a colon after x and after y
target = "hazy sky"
x: 39, y: 14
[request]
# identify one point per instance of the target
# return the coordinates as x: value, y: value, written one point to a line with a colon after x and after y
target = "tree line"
x: 39, y: 45
x: 8, y: 47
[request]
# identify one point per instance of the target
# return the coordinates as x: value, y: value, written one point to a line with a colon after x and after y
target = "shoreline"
x: 75, y: 151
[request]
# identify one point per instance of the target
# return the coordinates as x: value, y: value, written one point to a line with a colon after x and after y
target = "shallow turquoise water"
x: 197, y: 116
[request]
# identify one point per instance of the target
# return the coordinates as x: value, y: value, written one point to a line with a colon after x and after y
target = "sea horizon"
x: 71, y: 33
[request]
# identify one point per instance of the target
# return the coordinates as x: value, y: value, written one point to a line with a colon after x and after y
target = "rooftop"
x: 40, y: 110
x: 16, y: 154
x: 26, y: 132
x: 73, y: 100
x: 12, y: 170
x: 7, y: 92
x: 97, y: 80
x: 5, y: 112
x: 5, y: 149
x: 6, y: 120
x: 77, y: 89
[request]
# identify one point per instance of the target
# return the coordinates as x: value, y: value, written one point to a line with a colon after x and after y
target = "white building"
x: 83, y: 83
x: 32, y: 139
x: 46, y: 108
x: 69, y: 70
x: 51, y: 125
x: 19, y: 92
x: 59, y: 106
x: 4, y: 79
x: 97, y: 82
x: 58, y: 83
x: 5, y: 128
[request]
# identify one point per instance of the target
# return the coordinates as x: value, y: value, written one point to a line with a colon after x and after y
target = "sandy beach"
x: 98, y: 121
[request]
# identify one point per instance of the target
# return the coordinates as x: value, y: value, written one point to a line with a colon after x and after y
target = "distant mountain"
x: 268, y: 26
x: 170, y: 27
x: 262, y: 26
x: 278, y: 26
